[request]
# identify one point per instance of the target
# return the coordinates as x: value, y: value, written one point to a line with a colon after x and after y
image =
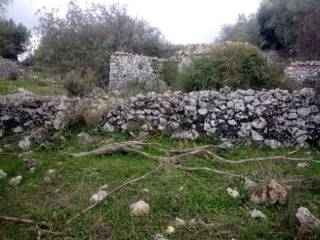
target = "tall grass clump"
x: 80, y: 82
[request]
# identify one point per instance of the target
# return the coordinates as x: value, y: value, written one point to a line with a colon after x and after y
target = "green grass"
x: 203, y: 195
x: 36, y: 86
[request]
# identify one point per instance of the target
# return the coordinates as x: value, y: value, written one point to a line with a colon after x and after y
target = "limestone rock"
x: 170, y: 230
x: 189, y: 135
x: 271, y: 193
x: 14, y: 182
x: 180, y: 222
x: 256, y: 136
x: 250, y: 185
x: 233, y: 193
x: 307, y: 219
x: 140, y: 208
x: 98, y: 197
x: 17, y: 129
x: 84, y: 138
x: 40, y: 135
x: 2, y: 174
x: 31, y: 162
x: 159, y: 237
x: 302, y: 165
x: 257, y: 214
x: 24, y: 144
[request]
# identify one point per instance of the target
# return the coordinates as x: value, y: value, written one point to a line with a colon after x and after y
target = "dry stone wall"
x: 273, y: 117
x: 304, y: 73
x: 9, y: 70
x: 126, y: 67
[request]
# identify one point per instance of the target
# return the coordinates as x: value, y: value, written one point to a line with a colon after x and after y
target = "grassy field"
x: 36, y: 86
x: 173, y: 193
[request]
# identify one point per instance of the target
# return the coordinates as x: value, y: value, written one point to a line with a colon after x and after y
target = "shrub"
x: 237, y: 65
x: 169, y: 72
x: 80, y: 82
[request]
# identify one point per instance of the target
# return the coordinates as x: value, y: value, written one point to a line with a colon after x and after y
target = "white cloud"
x: 192, y: 21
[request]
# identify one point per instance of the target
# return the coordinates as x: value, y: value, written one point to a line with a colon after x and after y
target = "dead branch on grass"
x: 115, y: 190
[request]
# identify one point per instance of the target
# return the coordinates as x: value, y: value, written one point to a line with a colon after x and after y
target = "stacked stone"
x: 304, y: 73
x: 126, y: 67
x: 9, y: 70
x: 272, y: 117
x: 25, y: 109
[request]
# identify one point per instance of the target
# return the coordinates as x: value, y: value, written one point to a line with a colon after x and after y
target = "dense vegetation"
x: 236, y: 65
x: 288, y: 26
x: 14, y: 38
x: 87, y: 37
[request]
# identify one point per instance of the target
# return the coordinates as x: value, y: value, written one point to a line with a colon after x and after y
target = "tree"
x: 246, y: 29
x: 87, y: 38
x: 14, y: 39
x: 278, y: 21
x: 308, y: 34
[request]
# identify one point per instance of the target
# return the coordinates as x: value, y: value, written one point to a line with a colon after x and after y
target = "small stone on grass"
x: 233, y: 193
x: 140, y: 208
x: 98, y: 197
x: 170, y: 230
x: 14, y: 182
x: 257, y: 214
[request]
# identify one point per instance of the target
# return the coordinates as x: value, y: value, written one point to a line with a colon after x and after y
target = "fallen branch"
x: 213, y: 170
x: 107, y: 149
x: 24, y: 221
x: 113, y: 191
x: 279, y: 158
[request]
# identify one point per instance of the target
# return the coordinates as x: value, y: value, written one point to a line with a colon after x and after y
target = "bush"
x: 237, y: 65
x: 80, y: 82
x: 170, y: 72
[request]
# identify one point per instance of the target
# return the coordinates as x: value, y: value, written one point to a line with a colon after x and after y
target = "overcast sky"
x: 183, y: 21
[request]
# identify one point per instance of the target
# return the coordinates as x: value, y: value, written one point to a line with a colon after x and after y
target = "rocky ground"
x: 114, y: 181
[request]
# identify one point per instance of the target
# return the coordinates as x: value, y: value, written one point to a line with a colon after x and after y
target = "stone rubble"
x: 271, y: 193
x: 272, y: 117
x: 24, y: 144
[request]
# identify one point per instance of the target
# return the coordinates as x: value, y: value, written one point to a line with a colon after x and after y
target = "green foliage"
x: 246, y: 29
x: 236, y: 65
x: 289, y: 26
x: 80, y: 82
x: 308, y: 37
x: 34, y: 86
x: 87, y: 38
x: 173, y: 192
x: 170, y: 72
x: 14, y: 39
x: 279, y: 20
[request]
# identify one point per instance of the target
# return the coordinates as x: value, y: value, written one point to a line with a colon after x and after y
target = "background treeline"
x: 14, y: 38
x: 85, y: 38
x: 291, y: 27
